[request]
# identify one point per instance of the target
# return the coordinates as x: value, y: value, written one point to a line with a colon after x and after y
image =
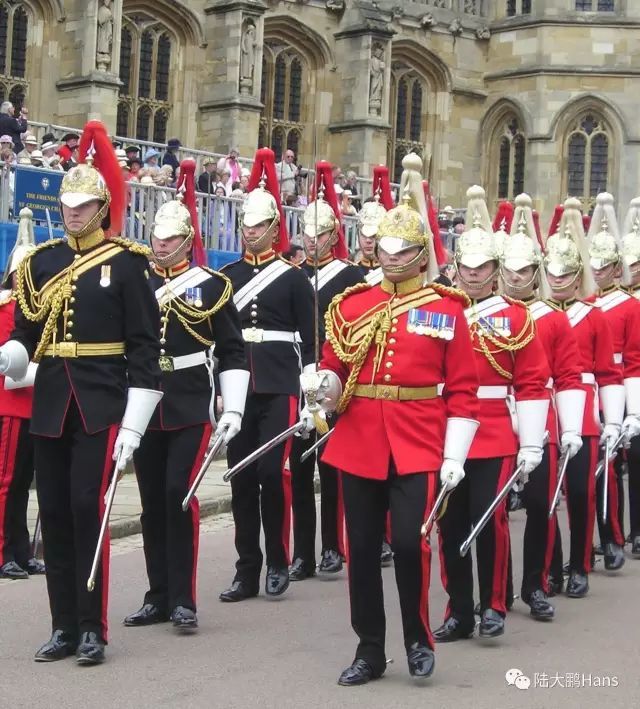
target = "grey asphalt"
x: 289, y: 652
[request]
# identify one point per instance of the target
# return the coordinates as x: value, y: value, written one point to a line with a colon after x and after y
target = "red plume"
x: 187, y: 185
x: 555, y: 220
x: 536, y: 224
x: 95, y: 138
x: 586, y: 222
x: 264, y: 166
x: 432, y: 215
x: 324, y: 183
x: 504, y: 213
x: 382, y: 186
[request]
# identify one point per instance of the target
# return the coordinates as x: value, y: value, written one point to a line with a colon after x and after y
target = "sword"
x: 562, y: 465
x: 91, y: 581
x: 426, y: 527
x: 49, y: 226
x: 265, y: 448
x: 464, y: 548
x: 37, y: 535
x: 321, y: 441
x: 605, y: 482
x: 217, y: 445
x: 612, y: 454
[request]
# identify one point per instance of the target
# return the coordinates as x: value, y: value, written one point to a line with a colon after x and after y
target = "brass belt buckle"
x: 166, y: 364
x: 253, y: 334
x: 387, y: 391
x: 68, y: 350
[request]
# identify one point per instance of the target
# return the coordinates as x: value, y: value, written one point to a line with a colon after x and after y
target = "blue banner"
x: 38, y: 189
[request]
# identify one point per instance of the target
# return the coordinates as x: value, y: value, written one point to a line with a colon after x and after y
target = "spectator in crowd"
x: 207, y: 180
x: 49, y: 149
x: 12, y: 126
x: 226, y: 179
x: 6, y: 143
x: 295, y: 254
x: 71, y: 162
x: 151, y: 158
x: 54, y: 163
x: 286, y: 172
x: 164, y: 176
x: 30, y: 143
x: 171, y: 157
x: 244, y: 178
x: 66, y: 151
x: 37, y: 158
x: 230, y: 162
x: 132, y: 151
x: 346, y: 204
x: 458, y: 226
x: 220, y: 190
x: 135, y: 165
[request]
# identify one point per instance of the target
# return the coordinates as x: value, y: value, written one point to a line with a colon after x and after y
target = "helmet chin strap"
x: 576, y: 275
x: 405, y: 266
x: 265, y: 240
x: 94, y: 223
x: 319, y: 253
x: 523, y: 286
x: 475, y: 286
x: 179, y: 254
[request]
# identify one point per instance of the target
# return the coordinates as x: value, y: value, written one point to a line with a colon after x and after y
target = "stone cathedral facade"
x: 534, y: 95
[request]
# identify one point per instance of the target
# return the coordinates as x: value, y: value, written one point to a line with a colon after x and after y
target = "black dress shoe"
x: 386, y: 555
x: 11, y: 570
x: 90, y: 649
x: 34, y: 567
x: 277, y: 581
x: 61, y: 645
x: 238, y: 591
x: 421, y: 661
x: 454, y: 629
x: 360, y: 672
x: 491, y: 624
x: 613, y: 556
x: 635, y: 547
x: 577, y: 585
x: 300, y: 570
x: 184, y: 619
x: 147, y: 615
x: 540, y: 608
x: 598, y: 550
x: 556, y: 586
x: 330, y: 563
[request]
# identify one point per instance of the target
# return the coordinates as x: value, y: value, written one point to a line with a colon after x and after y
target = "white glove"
x: 610, y: 434
x: 631, y: 428
x: 451, y: 473
x: 307, y: 418
x: 571, y: 442
x: 530, y: 457
x: 14, y: 359
x: 141, y: 404
x: 229, y: 425
x: 324, y: 386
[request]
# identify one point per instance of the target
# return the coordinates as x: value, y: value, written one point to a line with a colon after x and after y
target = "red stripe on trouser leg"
x: 426, y: 559
x: 552, y: 521
x: 593, y: 443
x: 194, y: 505
x: 286, y: 482
x: 500, y: 524
x: 340, y: 516
x: 107, y: 475
x: 612, y: 507
x: 9, y: 436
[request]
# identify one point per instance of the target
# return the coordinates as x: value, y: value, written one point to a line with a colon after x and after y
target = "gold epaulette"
x: 133, y: 246
x: 49, y: 244
x: 452, y: 292
x: 552, y: 305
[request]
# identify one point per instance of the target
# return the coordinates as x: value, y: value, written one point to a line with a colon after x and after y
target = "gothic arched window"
x: 408, y: 93
x: 518, y: 7
x: 144, y: 107
x: 587, y: 157
x: 281, y: 90
x: 596, y: 5
x: 13, y: 52
x: 511, y: 158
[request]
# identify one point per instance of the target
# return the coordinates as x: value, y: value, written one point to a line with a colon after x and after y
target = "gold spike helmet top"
x: 477, y: 244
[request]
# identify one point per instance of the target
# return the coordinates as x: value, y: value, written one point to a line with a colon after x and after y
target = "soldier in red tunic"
x: 570, y: 278
x: 398, y: 366
x: 511, y: 364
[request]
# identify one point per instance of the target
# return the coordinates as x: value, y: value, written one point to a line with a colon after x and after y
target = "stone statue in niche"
x: 248, y: 44
x: 105, y: 36
x: 376, y: 86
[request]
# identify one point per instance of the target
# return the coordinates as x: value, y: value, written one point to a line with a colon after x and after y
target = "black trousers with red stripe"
x: 580, y: 486
x: 409, y: 498
x: 633, y: 461
x: 304, y: 510
x: 73, y: 474
x: 611, y: 530
x: 539, y: 530
x: 166, y: 463
x: 263, y: 489
x: 16, y: 474
x: 483, y: 480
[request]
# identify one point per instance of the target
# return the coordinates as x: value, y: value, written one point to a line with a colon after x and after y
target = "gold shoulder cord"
x: 350, y: 352
x: 189, y: 316
x: 132, y: 246
x: 36, y: 308
x: 504, y: 344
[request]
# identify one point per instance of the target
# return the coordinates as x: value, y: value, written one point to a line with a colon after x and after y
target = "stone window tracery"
x: 13, y: 52
x: 587, y: 157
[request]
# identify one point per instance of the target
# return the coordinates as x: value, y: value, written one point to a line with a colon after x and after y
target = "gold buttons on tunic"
x: 68, y: 336
x: 388, y: 365
x: 394, y: 329
x: 392, y: 341
x: 390, y: 353
x: 387, y: 377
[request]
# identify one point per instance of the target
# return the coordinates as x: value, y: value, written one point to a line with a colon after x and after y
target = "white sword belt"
x: 257, y: 334
x: 173, y: 364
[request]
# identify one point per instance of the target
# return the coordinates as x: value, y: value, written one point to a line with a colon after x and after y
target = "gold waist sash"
x: 72, y: 350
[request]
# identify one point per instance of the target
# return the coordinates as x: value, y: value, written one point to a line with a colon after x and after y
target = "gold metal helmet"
x: 172, y: 219
x: 476, y: 245
x: 25, y: 244
x: 631, y: 238
x: 319, y: 217
x: 521, y: 248
x: 370, y: 217
x: 401, y: 228
x: 260, y: 206
x: 602, y: 236
x: 82, y: 184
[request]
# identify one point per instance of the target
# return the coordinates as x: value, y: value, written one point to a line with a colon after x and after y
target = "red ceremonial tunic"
x: 595, y: 348
x: 424, y: 342
x: 13, y: 402
x: 526, y: 368
x: 560, y: 346
x: 623, y: 315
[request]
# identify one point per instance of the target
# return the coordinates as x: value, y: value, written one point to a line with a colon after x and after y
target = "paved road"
x: 288, y: 653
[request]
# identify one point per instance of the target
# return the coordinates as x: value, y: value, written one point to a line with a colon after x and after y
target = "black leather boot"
x: 421, y: 660
x: 90, y: 649
x: 454, y: 629
x: 184, y: 619
x: 277, y: 581
x: 61, y: 645
x: 149, y: 614
x: 577, y: 585
x: 613, y: 556
x: 491, y: 624
x: 540, y: 608
x: 238, y: 591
